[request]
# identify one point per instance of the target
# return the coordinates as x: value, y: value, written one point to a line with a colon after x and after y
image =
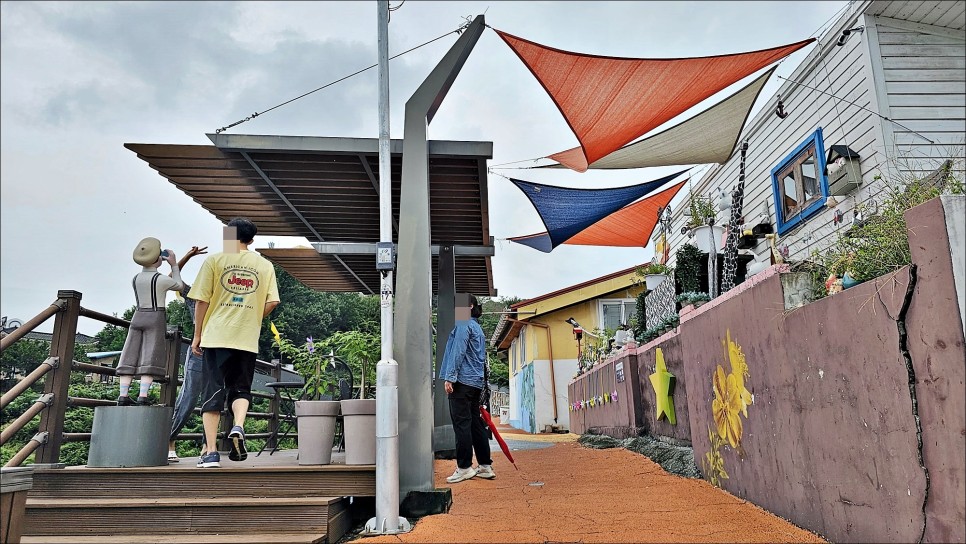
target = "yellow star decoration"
x: 663, y: 383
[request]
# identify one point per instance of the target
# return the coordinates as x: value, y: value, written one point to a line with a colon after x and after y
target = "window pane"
x: 612, y: 315
x: 810, y: 178
x: 789, y: 192
x: 630, y: 308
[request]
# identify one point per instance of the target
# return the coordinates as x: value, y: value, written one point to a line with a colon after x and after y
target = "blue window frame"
x: 799, y: 183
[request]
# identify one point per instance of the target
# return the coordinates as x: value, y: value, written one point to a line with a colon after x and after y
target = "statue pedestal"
x: 130, y: 436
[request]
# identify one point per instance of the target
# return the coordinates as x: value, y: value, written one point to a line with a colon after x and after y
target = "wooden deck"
x: 266, y: 498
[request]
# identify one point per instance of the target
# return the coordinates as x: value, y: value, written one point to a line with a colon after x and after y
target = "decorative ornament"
x: 663, y: 383
x: 614, y: 395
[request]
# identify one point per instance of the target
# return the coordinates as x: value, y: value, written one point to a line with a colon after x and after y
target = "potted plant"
x: 315, y: 418
x: 703, y: 213
x: 361, y: 350
x: 654, y: 274
x: 693, y: 298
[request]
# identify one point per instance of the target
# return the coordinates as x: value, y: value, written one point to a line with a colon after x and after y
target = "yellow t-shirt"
x: 236, y: 287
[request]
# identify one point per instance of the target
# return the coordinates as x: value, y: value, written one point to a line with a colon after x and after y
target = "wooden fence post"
x: 58, y: 380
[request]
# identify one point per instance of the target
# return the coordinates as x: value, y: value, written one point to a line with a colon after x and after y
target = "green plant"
x: 361, y: 351
x: 640, y: 315
x: 653, y: 268
x: 878, y: 243
x: 688, y: 267
x: 693, y: 297
x: 702, y: 209
x: 311, y: 364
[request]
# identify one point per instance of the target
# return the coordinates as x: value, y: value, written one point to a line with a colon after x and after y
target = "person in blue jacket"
x: 464, y: 372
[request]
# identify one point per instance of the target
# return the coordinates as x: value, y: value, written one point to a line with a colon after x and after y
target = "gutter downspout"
x: 553, y: 381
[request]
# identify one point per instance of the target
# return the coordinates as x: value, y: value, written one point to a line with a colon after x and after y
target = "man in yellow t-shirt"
x: 234, y: 291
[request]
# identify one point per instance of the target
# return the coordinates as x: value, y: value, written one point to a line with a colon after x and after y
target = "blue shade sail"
x: 566, y: 211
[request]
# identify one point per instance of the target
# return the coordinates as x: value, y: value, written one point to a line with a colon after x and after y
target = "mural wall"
x: 526, y: 418
x: 846, y: 416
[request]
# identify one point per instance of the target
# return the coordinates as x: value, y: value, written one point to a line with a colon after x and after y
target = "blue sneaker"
x: 237, y: 438
x: 210, y: 460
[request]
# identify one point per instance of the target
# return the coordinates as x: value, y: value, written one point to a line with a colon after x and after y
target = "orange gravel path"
x: 592, y: 495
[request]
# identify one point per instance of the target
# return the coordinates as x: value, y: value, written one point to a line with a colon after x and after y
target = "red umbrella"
x: 496, y: 434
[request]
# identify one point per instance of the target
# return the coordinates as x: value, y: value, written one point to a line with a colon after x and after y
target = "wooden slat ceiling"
x: 335, y: 194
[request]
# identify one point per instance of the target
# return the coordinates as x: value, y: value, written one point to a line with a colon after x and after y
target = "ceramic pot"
x: 708, y: 239
x: 654, y: 280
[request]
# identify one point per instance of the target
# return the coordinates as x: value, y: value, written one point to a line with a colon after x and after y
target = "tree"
x: 20, y: 359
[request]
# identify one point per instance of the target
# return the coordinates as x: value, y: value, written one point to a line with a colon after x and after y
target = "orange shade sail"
x: 611, y: 101
x: 631, y: 226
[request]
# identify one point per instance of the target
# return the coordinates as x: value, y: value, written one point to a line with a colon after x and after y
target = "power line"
x: 256, y: 114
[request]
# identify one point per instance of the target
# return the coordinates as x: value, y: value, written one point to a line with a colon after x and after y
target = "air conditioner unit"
x: 842, y: 170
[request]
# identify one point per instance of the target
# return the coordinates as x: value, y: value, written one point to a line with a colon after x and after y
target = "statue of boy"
x: 144, y: 350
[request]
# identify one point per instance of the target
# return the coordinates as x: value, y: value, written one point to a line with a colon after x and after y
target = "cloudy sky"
x: 80, y: 79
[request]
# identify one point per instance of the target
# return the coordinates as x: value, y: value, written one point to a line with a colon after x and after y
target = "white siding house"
x: 908, y: 64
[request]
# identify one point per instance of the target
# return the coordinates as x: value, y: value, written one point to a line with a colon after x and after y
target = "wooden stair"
x: 272, y: 504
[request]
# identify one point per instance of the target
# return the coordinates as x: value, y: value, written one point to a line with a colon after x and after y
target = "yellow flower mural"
x: 731, y: 401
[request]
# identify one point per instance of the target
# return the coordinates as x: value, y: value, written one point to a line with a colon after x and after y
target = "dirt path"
x: 592, y: 495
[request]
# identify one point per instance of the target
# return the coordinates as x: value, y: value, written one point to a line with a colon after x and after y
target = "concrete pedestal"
x: 130, y: 436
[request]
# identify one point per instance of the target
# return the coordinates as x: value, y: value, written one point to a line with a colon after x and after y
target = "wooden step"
x: 183, y: 515
x: 190, y: 481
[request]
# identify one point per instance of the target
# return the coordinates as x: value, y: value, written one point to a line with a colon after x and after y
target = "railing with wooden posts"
x: 53, y: 403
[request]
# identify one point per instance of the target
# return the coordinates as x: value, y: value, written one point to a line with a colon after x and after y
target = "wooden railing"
x: 53, y: 403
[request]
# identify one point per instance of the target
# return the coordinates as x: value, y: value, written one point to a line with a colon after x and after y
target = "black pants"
x: 468, y: 424
x: 227, y: 375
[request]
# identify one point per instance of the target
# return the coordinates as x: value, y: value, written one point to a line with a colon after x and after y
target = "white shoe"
x: 173, y: 456
x: 486, y: 472
x: 461, y: 474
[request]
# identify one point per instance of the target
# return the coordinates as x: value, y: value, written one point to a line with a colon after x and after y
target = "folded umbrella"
x: 496, y: 434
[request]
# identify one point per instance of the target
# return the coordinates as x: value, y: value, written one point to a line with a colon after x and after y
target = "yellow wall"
x: 586, y: 313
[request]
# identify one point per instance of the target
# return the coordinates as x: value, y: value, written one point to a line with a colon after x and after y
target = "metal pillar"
x: 387, y: 520
x: 414, y: 294
x: 444, y: 439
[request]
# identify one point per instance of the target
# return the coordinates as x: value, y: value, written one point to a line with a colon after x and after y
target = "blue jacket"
x: 465, y: 354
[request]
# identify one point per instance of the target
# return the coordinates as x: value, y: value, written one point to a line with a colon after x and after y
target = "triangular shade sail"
x: 566, y: 211
x: 631, y: 226
x: 610, y: 101
x: 708, y: 137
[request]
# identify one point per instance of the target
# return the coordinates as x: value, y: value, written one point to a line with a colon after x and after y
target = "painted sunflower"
x: 726, y: 406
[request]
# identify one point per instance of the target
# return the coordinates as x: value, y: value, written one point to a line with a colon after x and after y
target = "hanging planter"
x: 654, y: 274
x: 708, y: 238
x: 654, y: 280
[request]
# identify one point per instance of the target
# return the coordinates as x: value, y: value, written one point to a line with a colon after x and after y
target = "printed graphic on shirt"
x: 239, y: 280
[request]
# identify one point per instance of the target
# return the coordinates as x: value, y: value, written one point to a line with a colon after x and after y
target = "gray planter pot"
x: 359, y: 420
x: 316, y: 423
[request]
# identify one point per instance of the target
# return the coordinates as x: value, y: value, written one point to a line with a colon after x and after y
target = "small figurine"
x: 144, y: 350
x: 833, y: 284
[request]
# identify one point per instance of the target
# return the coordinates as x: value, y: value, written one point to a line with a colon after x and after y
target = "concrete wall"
x: 936, y: 346
x: 620, y: 418
x: 673, y: 352
x: 809, y: 413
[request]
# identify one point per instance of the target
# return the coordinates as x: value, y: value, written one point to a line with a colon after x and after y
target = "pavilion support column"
x: 444, y: 439
x: 413, y: 319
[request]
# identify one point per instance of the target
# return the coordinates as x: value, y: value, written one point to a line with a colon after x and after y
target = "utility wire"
x: 256, y: 114
x: 858, y: 106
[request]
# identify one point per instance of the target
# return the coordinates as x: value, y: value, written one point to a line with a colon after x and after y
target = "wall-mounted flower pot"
x: 316, y: 424
x: 653, y: 280
x: 708, y: 239
x: 359, y: 420
x: 746, y: 241
x: 762, y: 229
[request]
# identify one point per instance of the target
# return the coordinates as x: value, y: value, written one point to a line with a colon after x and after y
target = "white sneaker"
x: 461, y: 474
x: 173, y: 456
x: 485, y: 471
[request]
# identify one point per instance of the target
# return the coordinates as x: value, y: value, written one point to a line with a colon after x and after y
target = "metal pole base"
x: 371, y: 529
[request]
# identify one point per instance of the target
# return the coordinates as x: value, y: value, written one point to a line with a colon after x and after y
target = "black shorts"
x: 226, y: 375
